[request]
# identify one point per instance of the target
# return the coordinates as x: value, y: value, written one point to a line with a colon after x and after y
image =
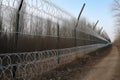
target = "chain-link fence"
x: 35, y: 25
x: 36, y: 35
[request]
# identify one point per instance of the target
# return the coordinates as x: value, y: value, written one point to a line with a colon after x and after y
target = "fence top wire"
x: 34, y: 12
x: 37, y: 7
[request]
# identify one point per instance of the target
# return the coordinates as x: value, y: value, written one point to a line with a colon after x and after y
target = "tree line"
x: 116, y: 11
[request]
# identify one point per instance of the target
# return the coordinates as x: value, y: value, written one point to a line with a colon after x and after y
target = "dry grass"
x: 117, y: 43
x: 79, y: 66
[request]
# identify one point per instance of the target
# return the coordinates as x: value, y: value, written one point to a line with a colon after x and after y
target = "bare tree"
x: 116, y: 9
x: 0, y: 16
x: 49, y: 23
x: 39, y: 28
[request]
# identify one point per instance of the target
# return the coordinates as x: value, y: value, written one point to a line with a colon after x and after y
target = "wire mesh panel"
x: 36, y: 35
x: 31, y: 25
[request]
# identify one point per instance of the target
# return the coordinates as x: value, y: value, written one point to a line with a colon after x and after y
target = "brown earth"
x: 102, y: 64
x: 107, y: 69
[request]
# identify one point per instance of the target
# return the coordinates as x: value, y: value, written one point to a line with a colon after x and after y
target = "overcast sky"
x: 94, y: 10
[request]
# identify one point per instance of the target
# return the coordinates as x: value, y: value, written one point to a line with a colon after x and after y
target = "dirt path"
x: 103, y: 64
x: 105, y: 69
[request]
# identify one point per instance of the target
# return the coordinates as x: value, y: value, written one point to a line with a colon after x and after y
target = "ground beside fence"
x: 99, y: 65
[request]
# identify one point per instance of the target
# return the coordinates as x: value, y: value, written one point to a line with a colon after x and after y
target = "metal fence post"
x: 17, y: 24
x: 95, y: 25
x: 75, y: 29
x: 14, y: 72
x: 16, y: 38
x: 58, y: 42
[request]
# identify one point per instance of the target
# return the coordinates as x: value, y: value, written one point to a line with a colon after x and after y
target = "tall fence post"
x: 17, y: 24
x: 58, y: 42
x: 100, y: 31
x: 75, y: 29
x: 95, y: 25
x: 16, y: 37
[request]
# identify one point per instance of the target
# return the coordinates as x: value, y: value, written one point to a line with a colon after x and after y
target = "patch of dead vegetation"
x: 117, y: 43
x: 79, y: 66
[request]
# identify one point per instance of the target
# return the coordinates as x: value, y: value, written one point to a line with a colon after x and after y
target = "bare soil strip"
x: 117, y: 71
x: 80, y: 68
x: 106, y: 69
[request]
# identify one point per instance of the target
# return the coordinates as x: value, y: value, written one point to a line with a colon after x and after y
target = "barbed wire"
x: 39, y: 8
x: 39, y: 18
x: 38, y: 15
